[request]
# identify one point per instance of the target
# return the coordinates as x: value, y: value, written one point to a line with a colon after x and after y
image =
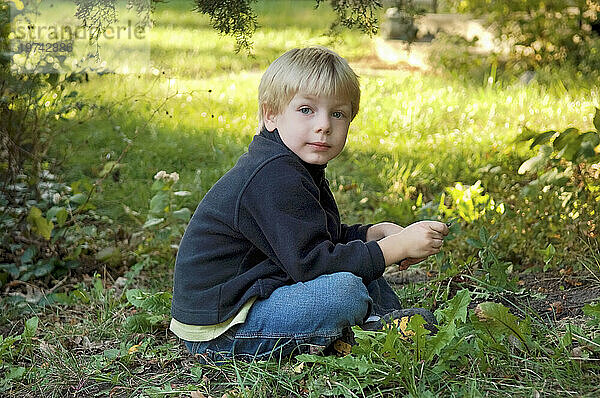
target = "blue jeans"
x: 304, y: 317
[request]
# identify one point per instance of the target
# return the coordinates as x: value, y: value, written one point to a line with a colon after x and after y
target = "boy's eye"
x: 305, y: 110
x: 337, y: 114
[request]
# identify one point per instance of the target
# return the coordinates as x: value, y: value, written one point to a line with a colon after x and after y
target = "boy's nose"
x: 323, y: 125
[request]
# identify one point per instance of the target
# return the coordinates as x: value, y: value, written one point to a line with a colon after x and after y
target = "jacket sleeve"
x: 354, y: 232
x: 280, y: 213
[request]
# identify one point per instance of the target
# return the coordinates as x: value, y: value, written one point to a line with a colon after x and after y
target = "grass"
x: 83, y: 349
x: 416, y: 134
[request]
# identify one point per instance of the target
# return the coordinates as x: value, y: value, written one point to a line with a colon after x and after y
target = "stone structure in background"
x: 399, y: 19
x: 418, y: 21
x: 399, y: 25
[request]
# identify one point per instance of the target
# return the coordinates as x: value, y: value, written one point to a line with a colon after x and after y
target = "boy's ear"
x: 269, y: 118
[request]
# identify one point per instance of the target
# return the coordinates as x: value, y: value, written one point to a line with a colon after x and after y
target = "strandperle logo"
x: 69, y: 33
x: 80, y: 35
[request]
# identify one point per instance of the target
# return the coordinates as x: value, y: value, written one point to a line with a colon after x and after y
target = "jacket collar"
x: 317, y: 171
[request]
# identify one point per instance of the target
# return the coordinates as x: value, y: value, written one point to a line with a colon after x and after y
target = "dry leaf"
x: 298, y: 368
x: 556, y: 306
x: 133, y: 349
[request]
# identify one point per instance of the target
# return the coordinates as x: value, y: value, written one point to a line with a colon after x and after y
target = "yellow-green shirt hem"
x: 209, y: 332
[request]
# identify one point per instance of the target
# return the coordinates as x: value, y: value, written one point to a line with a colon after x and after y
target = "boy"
x: 265, y: 267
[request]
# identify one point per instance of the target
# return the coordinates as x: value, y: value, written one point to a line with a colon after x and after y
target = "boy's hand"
x: 416, y: 241
x: 407, y: 262
x: 383, y: 229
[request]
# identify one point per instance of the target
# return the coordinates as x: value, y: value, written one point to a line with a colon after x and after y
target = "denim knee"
x: 346, y: 299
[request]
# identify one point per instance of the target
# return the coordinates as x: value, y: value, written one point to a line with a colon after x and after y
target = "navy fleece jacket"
x: 270, y: 221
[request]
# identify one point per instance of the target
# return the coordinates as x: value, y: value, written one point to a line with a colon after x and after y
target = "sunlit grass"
x: 444, y: 129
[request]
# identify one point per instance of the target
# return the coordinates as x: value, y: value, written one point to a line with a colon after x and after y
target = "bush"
x: 538, y: 33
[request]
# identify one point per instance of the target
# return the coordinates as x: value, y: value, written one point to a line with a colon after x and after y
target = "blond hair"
x: 312, y: 70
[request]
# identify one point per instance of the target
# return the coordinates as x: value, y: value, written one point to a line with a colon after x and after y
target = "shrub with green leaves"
x: 51, y: 235
x: 165, y: 221
x: 152, y: 309
x: 565, y: 175
x: 542, y: 32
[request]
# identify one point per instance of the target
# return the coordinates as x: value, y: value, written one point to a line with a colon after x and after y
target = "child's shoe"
x: 398, y: 318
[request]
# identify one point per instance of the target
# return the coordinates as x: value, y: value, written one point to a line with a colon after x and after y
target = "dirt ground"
x: 548, y: 296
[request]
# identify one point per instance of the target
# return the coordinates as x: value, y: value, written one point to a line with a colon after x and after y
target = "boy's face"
x: 313, y: 127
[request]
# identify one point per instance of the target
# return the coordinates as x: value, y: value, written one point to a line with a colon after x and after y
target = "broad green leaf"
x: 159, y: 202
x: 532, y: 164
x: 483, y: 235
x: 26, y: 276
x: 28, y: 255
x: 475, y: 243
x: 61, y: 216
x: 182, y: 214
x: 159, y: 185
x: 111, y: 353
x: 60, y: 298
x: 108, y: 253
x: 587, y: 150
x: 136, y: 297
x: 590, y: 140
x: 39, y: 224
x: 592, y: 137
x: 138, y: 323
x: 31, y: 326
x: 15, y: 373
x: 52, y: 212
x: 12, y: 269
x: 415, y: 324
x: 597, y: 120
x: 497, y: 319
x: 78, y: 198
x: 441, y: 339
x: 593, y: 311
x: 456, y: 308
x: 107, y: 168
x: 572, y: 149
x: 389, y: 347
x: 81, y: 296
x: 564, y: 138
x: 152, y: 222
x: 43, y: 269
x: 159, y: 302
x: 59, y: 212
x: 548, y: 253
x: 542, y: 138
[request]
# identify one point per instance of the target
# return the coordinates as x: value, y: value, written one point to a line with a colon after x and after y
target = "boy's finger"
x: 439, y: 227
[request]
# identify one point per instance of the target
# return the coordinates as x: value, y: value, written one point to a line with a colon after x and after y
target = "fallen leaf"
x: 556, y: 306
x: 133, y: 349
x: 299, y: 367
x: 47, y: 348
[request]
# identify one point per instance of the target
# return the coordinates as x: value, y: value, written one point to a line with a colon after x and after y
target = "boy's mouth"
x: 319, y: 145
